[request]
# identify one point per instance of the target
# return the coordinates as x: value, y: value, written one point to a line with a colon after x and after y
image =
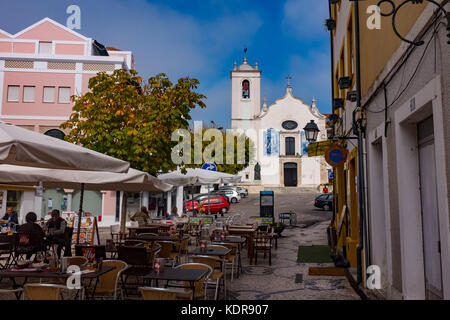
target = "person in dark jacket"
x: 9, y: 218
x: 35, y: 231
x: 56, y: 228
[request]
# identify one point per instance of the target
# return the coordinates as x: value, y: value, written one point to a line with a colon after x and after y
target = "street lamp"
x: 311, y: 131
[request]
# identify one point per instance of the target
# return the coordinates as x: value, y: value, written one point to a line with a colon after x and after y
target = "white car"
x: 232, y: 195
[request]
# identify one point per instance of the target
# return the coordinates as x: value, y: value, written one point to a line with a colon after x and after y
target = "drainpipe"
x: 332, y: 97
x: 361, y: 180
x: 332, y: 57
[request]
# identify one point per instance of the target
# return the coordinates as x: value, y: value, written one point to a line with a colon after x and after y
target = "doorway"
x: 429, y: 210
x: 290, y: 174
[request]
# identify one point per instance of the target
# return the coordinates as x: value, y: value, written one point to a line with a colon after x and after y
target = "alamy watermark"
x: 374, y: 279
x: 74, y: 20
x: 74, y: 281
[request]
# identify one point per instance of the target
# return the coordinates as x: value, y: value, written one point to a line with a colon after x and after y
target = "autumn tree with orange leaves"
x: 128, y: 119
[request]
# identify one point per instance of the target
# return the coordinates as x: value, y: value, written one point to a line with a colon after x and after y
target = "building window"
x: 247, y: 176
x: 48, y: 95
x: 290, y: 146
x: 350, y: 49
x: 246, y: 89
x: 55, y: 133
x: 64, y: 95
x: 13, y: 93
x: 45, y: 47
x: 28, y: 94
x: 342, y: 71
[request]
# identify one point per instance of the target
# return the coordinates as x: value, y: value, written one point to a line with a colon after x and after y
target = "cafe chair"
x: 77, y: 261
x: 217, y: 275
x: 231, y: 259
x: 168, y: 251
x: 262, y: 242
x: 135, y: 243
x: 23, y: 246
x: 146, y: 234
x: 43, y: 291
x: 6, y: 253
x: 181, y: 246
x: 235, y: 219
x: 138, y: 263
x: 194, y: 231
x: 17, y: 292
x: 108, y: 283
x: 116, y: 235
x: 200, y: 286
x: 111, y: 248
x: 163, y: 230
x: 153, y: 293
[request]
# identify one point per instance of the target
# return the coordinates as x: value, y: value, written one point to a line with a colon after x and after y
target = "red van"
x: 218, y: 204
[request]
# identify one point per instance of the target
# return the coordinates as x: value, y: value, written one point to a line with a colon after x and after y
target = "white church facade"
x: 281, y: 158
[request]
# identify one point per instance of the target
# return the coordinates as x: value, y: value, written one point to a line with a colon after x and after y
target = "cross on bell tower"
x: 289, y: 78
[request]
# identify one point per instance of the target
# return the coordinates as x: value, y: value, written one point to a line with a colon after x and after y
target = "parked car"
x: 203, y: 196
x: 222, y: 193
x: 232, y: 195
x: 242, y: 191
x: 324, y: 201
x: 215, y: 204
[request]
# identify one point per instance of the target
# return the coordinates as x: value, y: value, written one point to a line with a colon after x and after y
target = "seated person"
x: 9, y: 218
x: 32, y: 228
x: 142, y: 215
x: 56, y: 228
x: 174, y: 214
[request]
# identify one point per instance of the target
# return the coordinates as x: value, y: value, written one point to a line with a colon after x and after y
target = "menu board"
x: 70, y: 217
x: 204, y: 220
x: 263, y: 220
x: 88, y: 231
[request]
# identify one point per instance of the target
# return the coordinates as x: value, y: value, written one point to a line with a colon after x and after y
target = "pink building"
x: 40, y: 68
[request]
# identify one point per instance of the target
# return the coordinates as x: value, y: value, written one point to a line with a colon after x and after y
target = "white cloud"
x: 305, y: 19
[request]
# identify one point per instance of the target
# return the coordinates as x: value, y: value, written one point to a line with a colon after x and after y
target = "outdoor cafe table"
x: 210, y: 252
x: 177, y: 274
x: 52, y: 275
x: 245, y: 231
x: 161, y: 238
x: 134, y: 231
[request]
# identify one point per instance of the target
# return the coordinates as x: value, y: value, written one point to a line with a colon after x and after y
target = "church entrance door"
x: 290, y: 174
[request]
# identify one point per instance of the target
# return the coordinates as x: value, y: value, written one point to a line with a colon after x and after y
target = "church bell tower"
x: 245, y: 94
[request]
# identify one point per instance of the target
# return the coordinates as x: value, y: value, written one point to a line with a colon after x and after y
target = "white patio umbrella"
x: 134, y: 180
x: 196, y: 177
x: 19, y: 146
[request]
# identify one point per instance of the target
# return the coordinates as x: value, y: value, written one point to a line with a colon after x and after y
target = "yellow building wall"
x: 378, y: 45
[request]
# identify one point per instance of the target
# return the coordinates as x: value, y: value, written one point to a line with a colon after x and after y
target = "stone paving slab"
x: 277, y: 282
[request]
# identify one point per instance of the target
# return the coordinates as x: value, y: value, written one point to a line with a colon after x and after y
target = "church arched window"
x: 246, y: 89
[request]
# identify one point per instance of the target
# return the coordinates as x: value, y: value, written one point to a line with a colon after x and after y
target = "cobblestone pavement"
x: 287, y: 279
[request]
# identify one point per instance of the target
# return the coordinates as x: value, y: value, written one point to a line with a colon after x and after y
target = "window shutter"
x: 45, y: 48
x: 28, y: 94
x: 64, y: 95
x: 13, y: 93
x: 49, y: 94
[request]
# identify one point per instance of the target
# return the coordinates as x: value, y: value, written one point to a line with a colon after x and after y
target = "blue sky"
x: 203, y: 38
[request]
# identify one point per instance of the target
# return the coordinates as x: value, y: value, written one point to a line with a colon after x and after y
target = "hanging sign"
x: 336, y: 156
x: 319, y: 148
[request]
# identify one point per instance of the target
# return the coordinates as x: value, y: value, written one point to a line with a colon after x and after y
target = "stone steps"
x: 292, y: 190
